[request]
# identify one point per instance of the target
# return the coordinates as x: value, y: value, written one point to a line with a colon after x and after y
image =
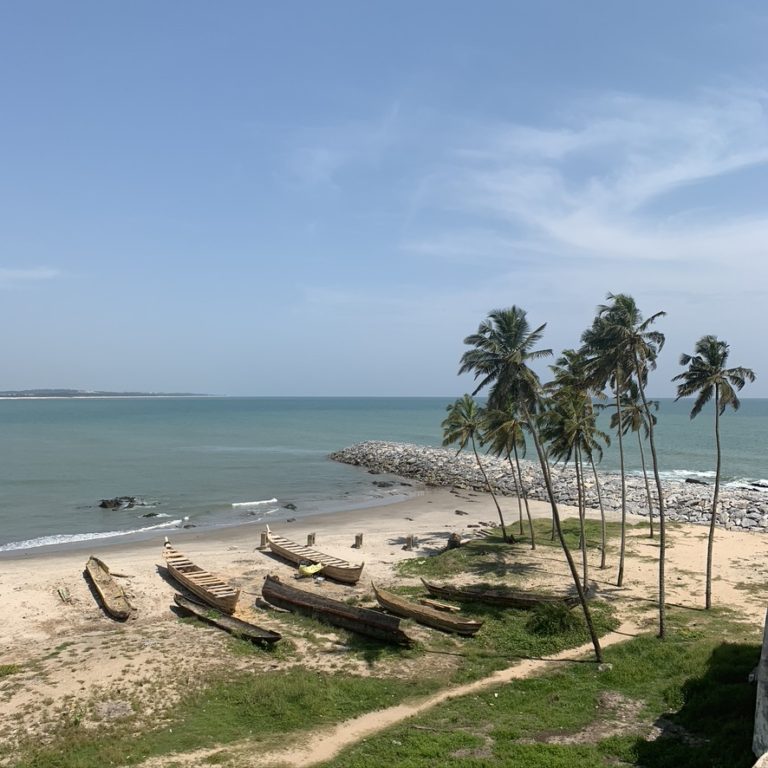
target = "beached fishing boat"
x: 363, y: 621
x: 238, y: 627
x: 333, y: 567
x: 111, y: 594
x: 209, y: 588
x: 447, y: 622
x: 503, y: 598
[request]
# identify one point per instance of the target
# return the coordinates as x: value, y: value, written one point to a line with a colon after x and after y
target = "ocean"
x: 191, y: 459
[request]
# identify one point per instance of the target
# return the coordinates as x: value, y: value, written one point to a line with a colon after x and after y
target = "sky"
x: 304, y: 198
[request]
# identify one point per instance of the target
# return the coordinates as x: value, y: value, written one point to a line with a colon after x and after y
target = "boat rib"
x: 363, y: 621
x: 208, y: 587
x: 110, y: 593
x: 424, y: 614
x: 333, y: 567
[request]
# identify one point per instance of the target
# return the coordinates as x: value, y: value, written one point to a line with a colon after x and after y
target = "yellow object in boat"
x: 311, y: 569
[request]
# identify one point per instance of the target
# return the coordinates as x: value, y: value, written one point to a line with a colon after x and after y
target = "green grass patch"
x: 9, y: 669
x: 260, y: 707
x: 693, y: 686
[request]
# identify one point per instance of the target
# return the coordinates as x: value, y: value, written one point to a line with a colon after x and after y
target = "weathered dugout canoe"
x: 363, y: 621
x: 333, y: 567
x: 235, y: 626
x: 424, y: 614
x: 209, y: 588
x: 505, y: 599
x: 110, y: 593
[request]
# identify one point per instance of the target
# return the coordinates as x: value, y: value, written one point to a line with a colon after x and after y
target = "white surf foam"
x: 241, y: 504
x: 67, y: 538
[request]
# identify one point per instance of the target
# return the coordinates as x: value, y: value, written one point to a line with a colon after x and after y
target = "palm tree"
x: 571, y: 371
x: 505, y: 436
x: 570, y: 429
x: 707, y: 376
x: 464, y: 421
x: 501, y: 350
x: 622, y: 340
x: 635, y: 422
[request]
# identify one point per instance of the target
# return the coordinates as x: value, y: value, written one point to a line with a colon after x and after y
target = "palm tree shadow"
x: 715, y: 722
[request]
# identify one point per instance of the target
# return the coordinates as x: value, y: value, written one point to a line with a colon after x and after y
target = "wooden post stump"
x: 264, y: 543
x: 358, y: 541
x: 310, y: 539
x: 411, y: 542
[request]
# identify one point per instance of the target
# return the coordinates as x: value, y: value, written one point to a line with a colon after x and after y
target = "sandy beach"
x: 72, y: 653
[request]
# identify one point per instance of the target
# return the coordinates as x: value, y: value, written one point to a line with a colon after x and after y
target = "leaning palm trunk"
x: 620, y: 578
x: 490, y: 490
x: 517, y: 491
x: 582, y: 514
x: 525, y: 497
x: 711, y: 539
x: 660, y: 491
x: 571, y: 565
x: 647, y: 484
x: 602, y: 512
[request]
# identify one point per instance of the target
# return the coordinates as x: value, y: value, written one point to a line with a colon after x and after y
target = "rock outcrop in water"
x: 744, y: 508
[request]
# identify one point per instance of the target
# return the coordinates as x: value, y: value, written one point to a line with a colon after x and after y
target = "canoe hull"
x: 426, y: 615
x: 333, y: 567
x: 235, y: 626
x: 363, y: 621
x: 209, y: 588
x: 523, y: 600
x: 111, y: 594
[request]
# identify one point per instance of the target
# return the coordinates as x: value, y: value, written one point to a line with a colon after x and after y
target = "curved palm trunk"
x: 567, y: 552
x: 517, y: 491
x: 490, y: 490
x: 525, y: 497
x: 582, y: 515
x: 622, y: 547
x: 602, y: 512
x: 711, y: 540
x: 647, y: 485
x: 662, y: 526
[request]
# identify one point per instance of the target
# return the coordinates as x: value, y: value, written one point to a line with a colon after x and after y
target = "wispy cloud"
x: 318, y: 154
x: 15, y: 276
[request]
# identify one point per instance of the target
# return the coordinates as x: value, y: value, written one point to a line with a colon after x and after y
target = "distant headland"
x: 84, y: 393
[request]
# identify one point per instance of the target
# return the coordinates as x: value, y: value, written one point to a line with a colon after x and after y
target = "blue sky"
x: 325, y: 198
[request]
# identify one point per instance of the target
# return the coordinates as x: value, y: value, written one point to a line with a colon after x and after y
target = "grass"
x: 694, y: 687
x: 9, y: 669
x: 259, y: 706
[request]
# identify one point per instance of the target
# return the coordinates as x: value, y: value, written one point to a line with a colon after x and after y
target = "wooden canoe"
x: 209, y: 588
x: 363, y: 621
x: 333, y: 567
x: 110, y: 593
x: 235, y: 626
x: 447, y: 622
x: 505, y: 599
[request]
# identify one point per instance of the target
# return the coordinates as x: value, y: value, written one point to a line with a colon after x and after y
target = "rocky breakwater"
x: 743, y: 507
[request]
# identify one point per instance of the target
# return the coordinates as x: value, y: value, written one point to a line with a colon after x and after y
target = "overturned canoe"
x: 503, y: 598
x: 424, y: 614
x: 110, y: 593
x: 235, y: 626
x: 333, y: 567
x: 364, y: 621
x: 209, y: 588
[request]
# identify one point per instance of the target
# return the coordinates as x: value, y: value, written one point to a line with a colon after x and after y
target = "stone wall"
x: 743, y: 508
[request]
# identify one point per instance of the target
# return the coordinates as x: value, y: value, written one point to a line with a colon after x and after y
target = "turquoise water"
x: 196, y: 457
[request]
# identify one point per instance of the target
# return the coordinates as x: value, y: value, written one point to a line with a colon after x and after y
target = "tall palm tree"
x: 570, y: 429
x: 505, y: 437
x: 571, y: 370
x: 501, y: 350
x: 707, y: 376
x: 635, y: 421
x: 622, y: 339
x: 463, y: 423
